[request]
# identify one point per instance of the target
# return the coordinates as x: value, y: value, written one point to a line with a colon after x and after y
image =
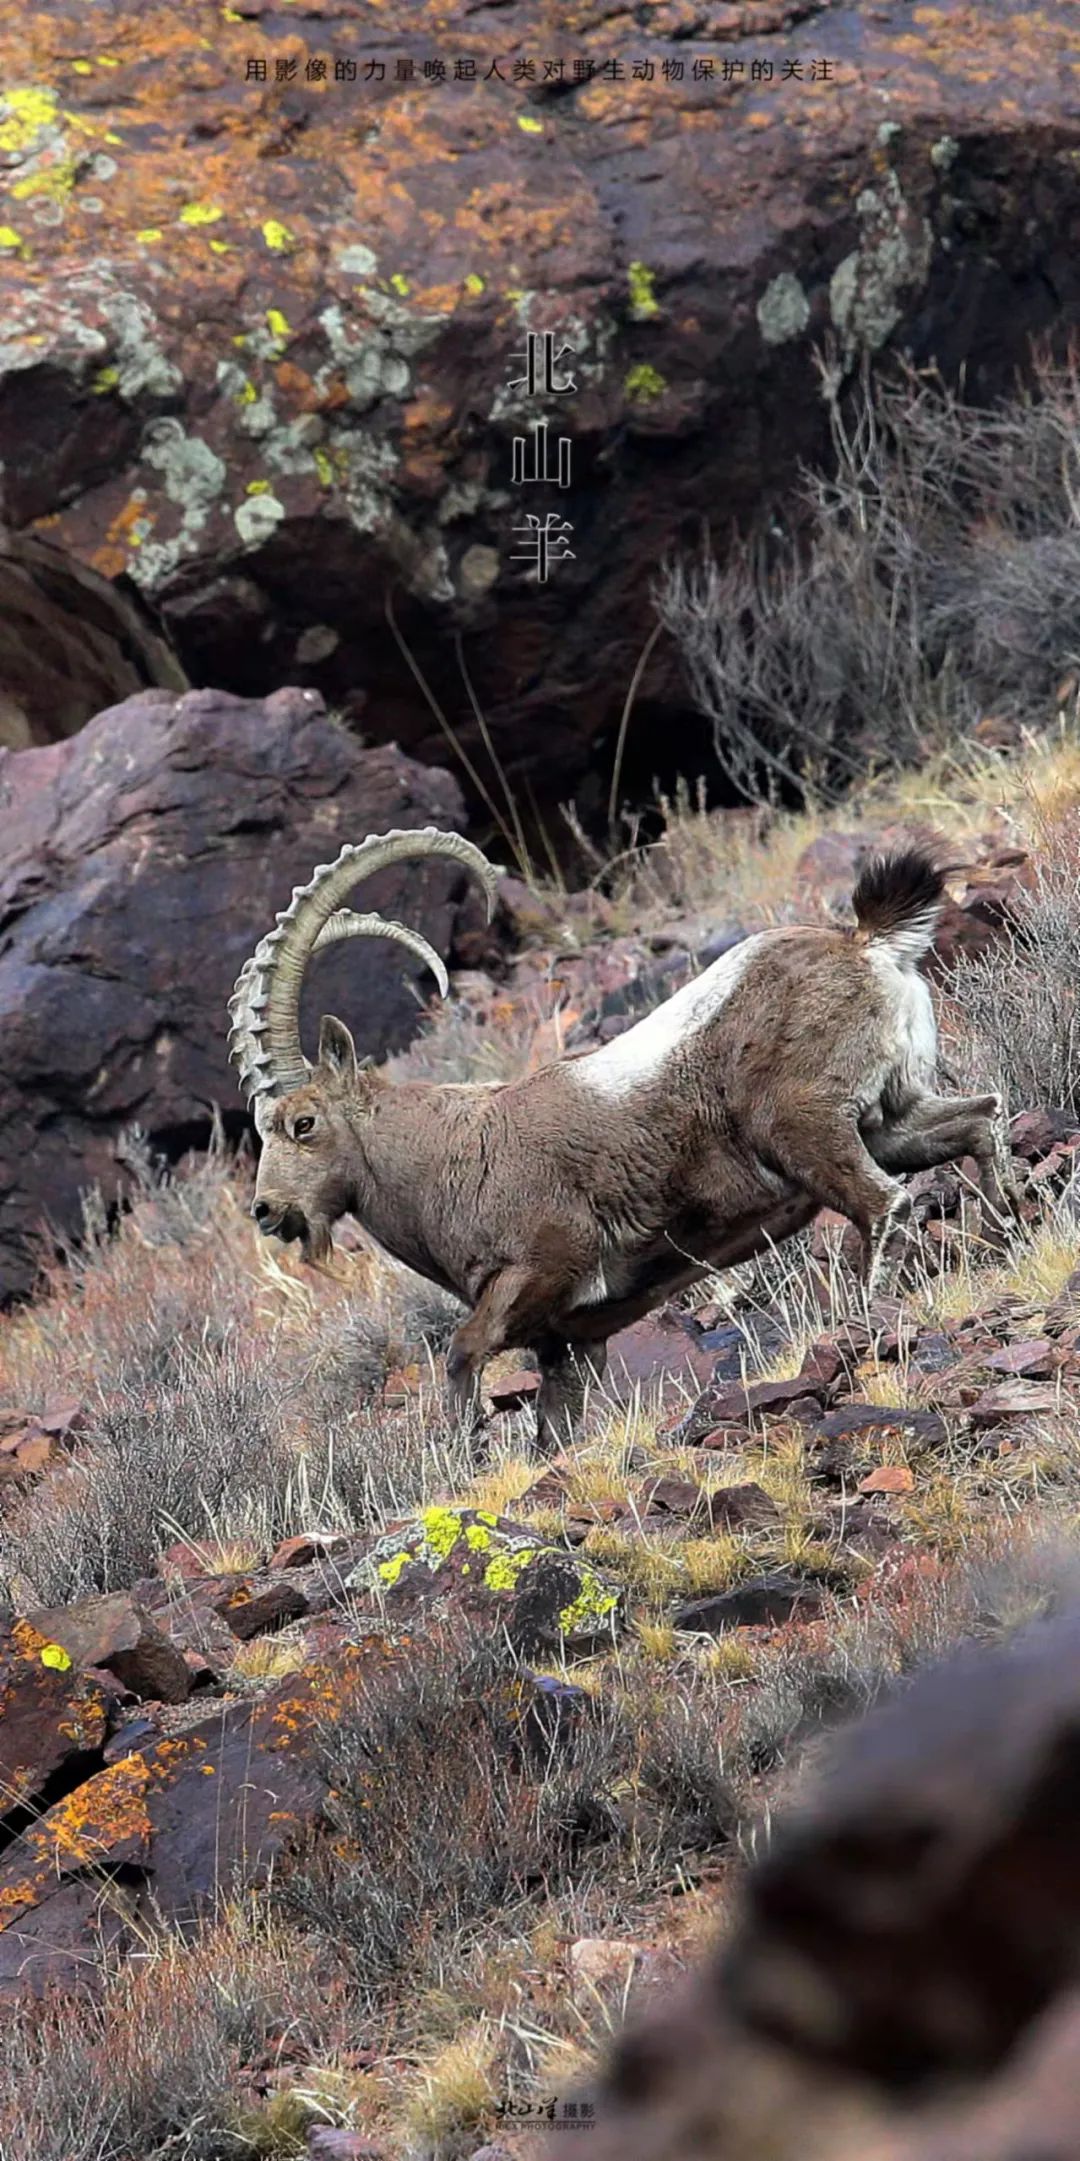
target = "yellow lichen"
x: 55, y: 1656
x: 28, y: 112
x: 474, y: 283
x: 390, y: 1570
x: 277, y: 236
x: 105, y: 379
x: 248, y: 394
x: 258, y: 487
x: 503, y: 1569
x: 323, y: 467
x: 593, y: 1603
x: 148, y: 234
x: 529, y: 126
x: 442, y: 1528
x: 277, y: 323
x: 9, y: 238
x: 201, y: 214
x: 53, y: 181
x: 221, y: 247
x: 477, y: 1536
x: 400, y: 284
x: 643, y: 300
x: 644, y: 383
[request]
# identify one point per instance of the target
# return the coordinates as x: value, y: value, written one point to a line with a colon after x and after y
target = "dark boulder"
x: 140, y: 862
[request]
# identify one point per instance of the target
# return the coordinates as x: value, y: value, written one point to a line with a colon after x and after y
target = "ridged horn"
x: 264, y: 1010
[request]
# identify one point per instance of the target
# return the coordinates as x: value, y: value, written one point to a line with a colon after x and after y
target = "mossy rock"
x: 544, y: 1596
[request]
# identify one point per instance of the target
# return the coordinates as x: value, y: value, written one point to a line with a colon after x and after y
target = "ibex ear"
x: 337, y: 1051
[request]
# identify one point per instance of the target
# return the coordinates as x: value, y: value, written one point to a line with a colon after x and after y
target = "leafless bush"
x: 440, y: 1816
x: 1012, y: 1020
x: 939, y: 577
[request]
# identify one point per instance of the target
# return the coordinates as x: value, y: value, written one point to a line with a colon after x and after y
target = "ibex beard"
x: 794, y: 1074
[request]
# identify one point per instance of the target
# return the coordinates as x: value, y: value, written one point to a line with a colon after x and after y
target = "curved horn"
x: 264, y: 1038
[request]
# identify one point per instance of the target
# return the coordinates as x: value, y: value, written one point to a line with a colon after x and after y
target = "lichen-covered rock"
x: 52, y: 1716
x: 546, y: 1598
x: 117, y: 1634
x: 266, y: 384
x: 166, y: 1831
x: 140, y: 862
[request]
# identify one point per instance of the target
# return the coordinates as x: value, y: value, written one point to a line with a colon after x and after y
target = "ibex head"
x: 306, y: 1115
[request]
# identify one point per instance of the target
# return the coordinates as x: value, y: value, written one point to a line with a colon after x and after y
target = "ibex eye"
x: 302, y: 1126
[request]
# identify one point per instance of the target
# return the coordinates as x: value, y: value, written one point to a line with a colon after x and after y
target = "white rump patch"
x: 619, y: 1067
x: 911, y: 1031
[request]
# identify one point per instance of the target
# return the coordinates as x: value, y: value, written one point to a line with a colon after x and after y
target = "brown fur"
x: 794, y: 1095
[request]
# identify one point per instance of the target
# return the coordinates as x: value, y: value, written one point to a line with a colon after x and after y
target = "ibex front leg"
x: 504, y: 1313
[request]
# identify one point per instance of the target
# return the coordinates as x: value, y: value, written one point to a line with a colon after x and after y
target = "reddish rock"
x: 690, y: 239
x: 1032, y: 1133
x: 63, y: 1416
x: 1031, y: 1361
x: 739, y: 1404
x: 255, y: 1604
x: 512, y: 1391
x: 71, y: 643
x: 200, y: 811
x: 308, y: 1546
x: 888, y: 1478
x: 118, y: 1634
x: 664, y: 1351
x: 1013, y: 1399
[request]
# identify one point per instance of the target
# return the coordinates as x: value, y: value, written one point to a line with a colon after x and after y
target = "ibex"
x: 793, y: 1074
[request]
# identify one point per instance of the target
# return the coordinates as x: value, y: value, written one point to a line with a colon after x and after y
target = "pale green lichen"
x: 893, y: 253
x: 357, y: 261
x: 194, y: 478
x: 258, y: 517
x: 783, y: 310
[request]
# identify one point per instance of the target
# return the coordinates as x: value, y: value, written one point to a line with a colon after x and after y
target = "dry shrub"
x: 454, y: 1798
x: 933, y: 575
x: 1012, y: 1020
x: 156, y: 2064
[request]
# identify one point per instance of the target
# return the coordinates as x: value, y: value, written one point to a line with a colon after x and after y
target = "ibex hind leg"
x: 942, y: 1129
x: 821, y: 1147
